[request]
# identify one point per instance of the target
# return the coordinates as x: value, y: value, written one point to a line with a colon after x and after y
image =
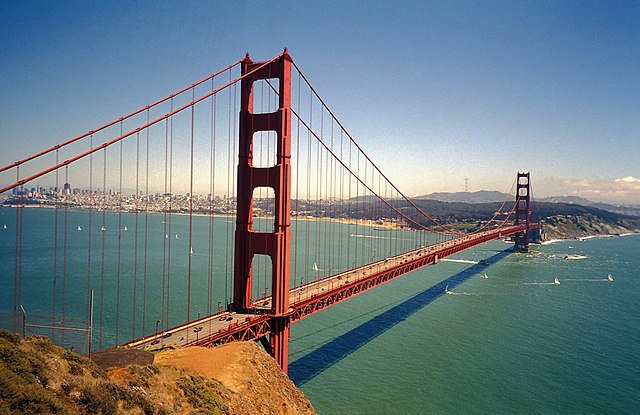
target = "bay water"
x: 513, y: 342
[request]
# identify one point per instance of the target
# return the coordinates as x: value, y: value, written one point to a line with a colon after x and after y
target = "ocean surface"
x: 511, y: 343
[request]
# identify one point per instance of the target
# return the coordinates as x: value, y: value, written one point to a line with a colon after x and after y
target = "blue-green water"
x: 511, y: 343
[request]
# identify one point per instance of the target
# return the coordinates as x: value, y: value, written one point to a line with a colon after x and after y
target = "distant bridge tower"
x: 274, y: 244
x: 523, y: 212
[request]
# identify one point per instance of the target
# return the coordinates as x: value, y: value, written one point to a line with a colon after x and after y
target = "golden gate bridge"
x: 296, y: 218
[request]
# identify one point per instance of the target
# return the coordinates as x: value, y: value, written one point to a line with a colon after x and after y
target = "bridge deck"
x: 312, y: 297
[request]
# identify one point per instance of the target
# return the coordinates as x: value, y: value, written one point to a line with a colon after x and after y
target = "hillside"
x: 558, y: 220
x: 37, y: 377
x: 484, y: 196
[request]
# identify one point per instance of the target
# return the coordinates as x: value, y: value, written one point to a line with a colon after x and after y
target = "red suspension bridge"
x: 141, y: 214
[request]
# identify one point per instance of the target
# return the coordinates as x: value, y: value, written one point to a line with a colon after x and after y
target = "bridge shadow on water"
x: 310, y: 365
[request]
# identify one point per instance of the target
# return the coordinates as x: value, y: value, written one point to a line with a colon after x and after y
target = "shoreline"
x: 358, y: 222
x: 584, y: 238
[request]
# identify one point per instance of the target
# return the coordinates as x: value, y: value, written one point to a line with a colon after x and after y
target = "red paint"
x: 523, y: 212
x: 275, y: 244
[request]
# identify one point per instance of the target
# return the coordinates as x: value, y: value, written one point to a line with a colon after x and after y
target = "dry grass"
x: 37, y: 377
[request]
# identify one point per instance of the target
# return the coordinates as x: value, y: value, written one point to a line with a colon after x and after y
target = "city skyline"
x: 453, y: 90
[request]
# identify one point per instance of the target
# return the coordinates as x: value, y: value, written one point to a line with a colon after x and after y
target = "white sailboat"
x: 4, y: 226
x: 484, y: 276
x: 446, y: 290
x: 315, y: 267
x: 79, y: 228
x: 125, y: 229
x: 166, y: 236
x: 556, y: 281
x: 177, y: 237
x: 610, y: 278
x: 102, y: 228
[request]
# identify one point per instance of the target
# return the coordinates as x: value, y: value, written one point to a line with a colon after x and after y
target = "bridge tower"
x: 274, y: 244
x: 523, y: 211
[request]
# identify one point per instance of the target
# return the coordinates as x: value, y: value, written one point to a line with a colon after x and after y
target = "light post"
x: 157, y: 322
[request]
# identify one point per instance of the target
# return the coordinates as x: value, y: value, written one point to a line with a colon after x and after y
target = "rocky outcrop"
x: 37, y: 377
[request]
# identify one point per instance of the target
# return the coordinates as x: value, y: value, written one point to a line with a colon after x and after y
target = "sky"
x: 433, y: 91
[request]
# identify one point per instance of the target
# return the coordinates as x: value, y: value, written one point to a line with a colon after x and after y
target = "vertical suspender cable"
x: 89, y: 242
x: 102, y: 234
x: 64, y: 252
x: 55, y: 253
x: 165, y: 208
x: 146, y: 233
x: 168, y: 304
x: 119, y: 243
x: 212, y: 180
x: 190, y: 254
x: 297, y: 209
x: 135, y: 239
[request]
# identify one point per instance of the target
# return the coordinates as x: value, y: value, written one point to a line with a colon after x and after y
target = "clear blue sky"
x: 443, y: 89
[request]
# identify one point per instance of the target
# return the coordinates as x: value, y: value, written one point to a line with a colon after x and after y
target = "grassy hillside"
x: 37, y: 377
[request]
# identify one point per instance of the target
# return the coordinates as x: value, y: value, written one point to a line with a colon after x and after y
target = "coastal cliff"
x: 37, y: 377
x: 585, y: 225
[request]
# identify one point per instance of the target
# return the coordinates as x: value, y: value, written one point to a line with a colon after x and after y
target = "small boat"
x: 79, y: 228
x: 483, y: 262
x: 610, y: 278
x: 177, y: 237
x: 484, y: 276
x: 4, y: 226
x: 556, y: 281
x: 446, y: 290
x: 102, y: 229
x: 166, y: 236
x: 125, y: 229
x: 315, y: 267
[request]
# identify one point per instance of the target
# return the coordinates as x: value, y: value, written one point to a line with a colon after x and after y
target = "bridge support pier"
x: 523, y: 211
x: 274, y: 244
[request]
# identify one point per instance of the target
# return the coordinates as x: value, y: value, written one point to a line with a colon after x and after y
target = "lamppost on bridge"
x: 157, y: 322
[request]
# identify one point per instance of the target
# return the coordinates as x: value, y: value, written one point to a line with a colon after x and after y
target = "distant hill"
x: 486, y: 196
x: 481, y: 196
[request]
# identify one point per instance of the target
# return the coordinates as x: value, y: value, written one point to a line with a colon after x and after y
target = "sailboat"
x: 102, y: 228
x: 177, y: 236
x: 556, y: 281
x: 79, y: 228
x: 446, y: 290
x: 315, y: 267
x: 484, y: 276
x: 610, y: 278
x: 4, y: 226
x: 125, y: 229
x: 166, y: 236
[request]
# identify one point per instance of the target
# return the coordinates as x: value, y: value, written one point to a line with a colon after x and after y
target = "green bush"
x: 196, y: 391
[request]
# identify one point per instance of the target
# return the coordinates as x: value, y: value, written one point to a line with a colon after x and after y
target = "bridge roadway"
x: 312, y: 297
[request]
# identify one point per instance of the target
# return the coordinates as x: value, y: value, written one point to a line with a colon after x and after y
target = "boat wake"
x: 574, y: 257
x: 608, y: 279
x: 356, y: 235
x: 462, y: 261
x: 555, y: 281
x: 446, y: 291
